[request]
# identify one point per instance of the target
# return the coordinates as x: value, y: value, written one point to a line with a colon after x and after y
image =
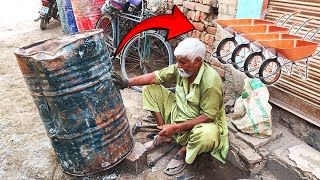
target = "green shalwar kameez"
x: 205, y: 97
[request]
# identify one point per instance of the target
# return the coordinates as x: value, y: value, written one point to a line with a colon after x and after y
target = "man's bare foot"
x: 157, y: 140
x: 163, y: 139
x: 182, y: 152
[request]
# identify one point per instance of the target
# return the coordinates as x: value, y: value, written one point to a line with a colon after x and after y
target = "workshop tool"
x: 149, y: 119
x: 154, y: 162
x: 140, y: 127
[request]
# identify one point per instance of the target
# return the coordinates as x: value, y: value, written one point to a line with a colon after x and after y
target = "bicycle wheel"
x: 145, y: 53
x: 225, y: 48
x: 252, y: 64
x: 270, y: 71
x: 108, y: 25
x: 239, y: 55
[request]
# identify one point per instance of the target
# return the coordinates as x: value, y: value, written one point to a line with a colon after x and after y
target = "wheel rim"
x: 242, y: 54
x: 145, y: 55
x: 270, y: 73
x: 226, y: 50
x: 254, y: 65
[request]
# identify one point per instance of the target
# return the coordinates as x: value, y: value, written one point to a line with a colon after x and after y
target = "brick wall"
x: 201, y: 13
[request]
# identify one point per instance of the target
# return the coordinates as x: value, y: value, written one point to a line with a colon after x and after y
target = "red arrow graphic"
x: 176, y: 24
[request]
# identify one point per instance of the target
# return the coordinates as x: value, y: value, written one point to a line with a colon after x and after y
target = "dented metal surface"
x: 81, y: 109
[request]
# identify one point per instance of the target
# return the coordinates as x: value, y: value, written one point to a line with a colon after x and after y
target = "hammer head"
x: 138, y: 126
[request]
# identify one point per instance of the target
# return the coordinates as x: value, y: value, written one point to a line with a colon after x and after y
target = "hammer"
x: 138, y: 126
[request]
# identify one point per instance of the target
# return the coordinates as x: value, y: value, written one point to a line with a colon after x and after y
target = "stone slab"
x: 231, y: 127
x: 136, y: 161
x: 234, y: 159
x: 281, y: 170
x: 282, y: 166
x: 254, y: 169
x: 250, y: 155
x: 258, y: 142
x: 237, y: 142
x: 263, y: 153
x: 306, y: 158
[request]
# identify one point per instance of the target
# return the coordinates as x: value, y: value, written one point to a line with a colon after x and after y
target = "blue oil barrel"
x: 67, y: 19
x: 80, y: 107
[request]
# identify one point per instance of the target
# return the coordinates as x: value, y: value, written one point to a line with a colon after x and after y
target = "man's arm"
x: 171, y: 129
x: 188, y: 125
x: 145, y: 79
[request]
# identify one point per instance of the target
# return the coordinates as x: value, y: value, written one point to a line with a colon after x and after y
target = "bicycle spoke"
x: 133, y: 67
x: 146, y: 52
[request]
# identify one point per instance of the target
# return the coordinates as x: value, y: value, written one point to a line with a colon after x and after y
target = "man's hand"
x: 168, y: 130
x: 119, y: 81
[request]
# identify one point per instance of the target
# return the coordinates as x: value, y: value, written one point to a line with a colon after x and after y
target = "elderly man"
x: 194, y: 115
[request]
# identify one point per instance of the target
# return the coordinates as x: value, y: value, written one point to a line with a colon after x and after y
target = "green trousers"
x: 203, y: 137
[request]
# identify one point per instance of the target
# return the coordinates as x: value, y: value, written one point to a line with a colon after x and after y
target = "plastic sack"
x: 252, y: 111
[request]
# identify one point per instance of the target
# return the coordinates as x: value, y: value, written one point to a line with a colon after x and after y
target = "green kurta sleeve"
x: 168, y: 74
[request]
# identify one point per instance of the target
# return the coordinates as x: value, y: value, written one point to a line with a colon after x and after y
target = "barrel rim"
x: 72, y: 38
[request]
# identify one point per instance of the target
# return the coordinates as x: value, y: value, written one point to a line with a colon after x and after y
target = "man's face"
x: 185, y: 67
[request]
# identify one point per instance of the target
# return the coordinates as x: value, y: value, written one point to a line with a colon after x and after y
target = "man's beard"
x: 183, y: 73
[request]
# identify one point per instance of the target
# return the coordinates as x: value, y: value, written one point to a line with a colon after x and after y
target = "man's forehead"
x: 182, y: 58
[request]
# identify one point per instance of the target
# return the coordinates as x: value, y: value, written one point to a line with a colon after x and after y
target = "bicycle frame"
x: 116, y: 16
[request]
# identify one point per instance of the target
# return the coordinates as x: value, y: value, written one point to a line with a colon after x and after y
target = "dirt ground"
x: 25, y: 150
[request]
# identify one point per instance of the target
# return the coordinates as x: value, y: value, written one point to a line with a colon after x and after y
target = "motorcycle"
x: 48, y: 10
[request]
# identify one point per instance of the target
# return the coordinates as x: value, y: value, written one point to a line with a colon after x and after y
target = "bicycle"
x: 145, y: 52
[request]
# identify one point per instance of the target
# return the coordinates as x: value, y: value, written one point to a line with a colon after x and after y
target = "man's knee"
x: 207, y: 134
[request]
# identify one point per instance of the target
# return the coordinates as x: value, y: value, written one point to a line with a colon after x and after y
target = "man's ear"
x: 198, y: 61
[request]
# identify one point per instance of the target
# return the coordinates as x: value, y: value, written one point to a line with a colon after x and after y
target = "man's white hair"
x: 191, y: 48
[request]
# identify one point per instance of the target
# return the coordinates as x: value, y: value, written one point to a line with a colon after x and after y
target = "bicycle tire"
x: 108, y: 25
x: 248, y: 62
x: 264, y: 65
x: 220, y: 47
x: 134, y: 47
x: 235, y: 54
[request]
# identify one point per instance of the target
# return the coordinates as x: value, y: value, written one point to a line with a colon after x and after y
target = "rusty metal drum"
x: 81, y: 109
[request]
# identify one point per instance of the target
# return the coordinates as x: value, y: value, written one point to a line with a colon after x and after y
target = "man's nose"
x: 179, y: 65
